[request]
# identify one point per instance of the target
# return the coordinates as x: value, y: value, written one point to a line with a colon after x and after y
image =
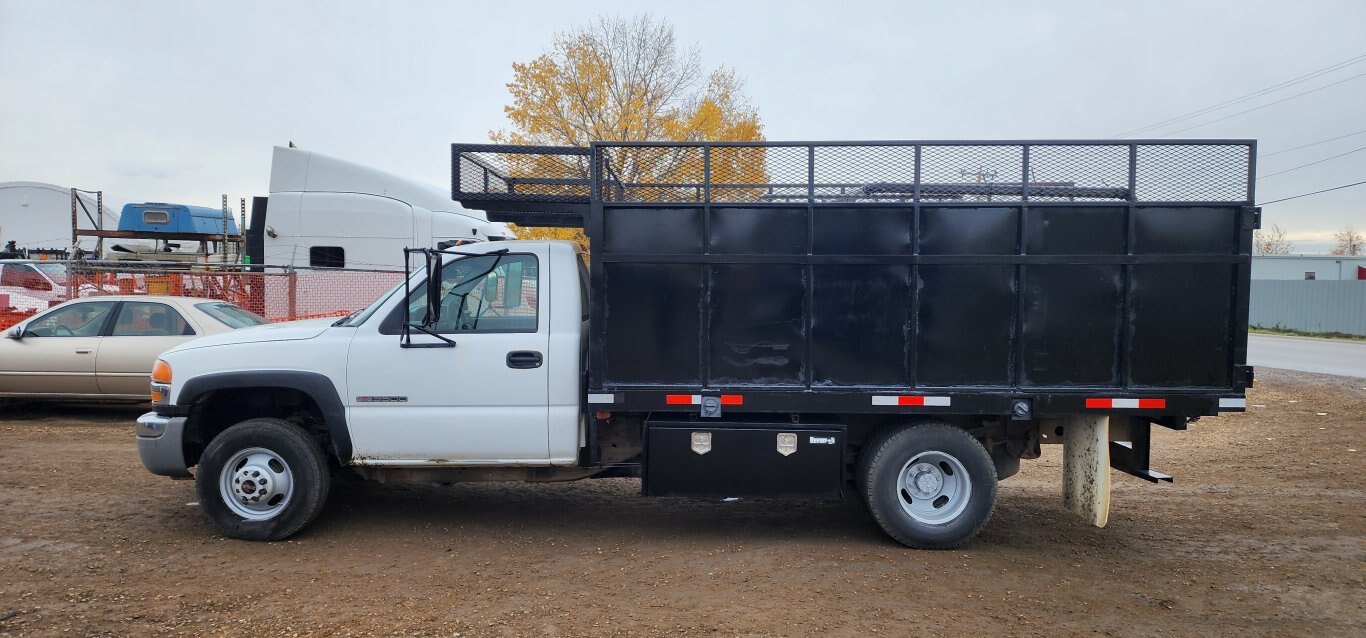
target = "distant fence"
x: 1309, y: 306
x: 278, y: 294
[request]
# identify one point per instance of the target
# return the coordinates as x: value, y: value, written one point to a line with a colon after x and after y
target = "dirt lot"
x: 1264, y: 533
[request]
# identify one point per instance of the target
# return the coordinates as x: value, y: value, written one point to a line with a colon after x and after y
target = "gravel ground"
x: 1262, y: 534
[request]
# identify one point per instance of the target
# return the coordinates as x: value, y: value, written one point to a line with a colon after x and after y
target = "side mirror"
x: 490, y: 288
x: 512, y: 288
x: 434, y: 267
x: 16, y: 332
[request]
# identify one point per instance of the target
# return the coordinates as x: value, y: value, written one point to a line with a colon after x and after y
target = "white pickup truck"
x: 262, y: 412
x: 895, y: 340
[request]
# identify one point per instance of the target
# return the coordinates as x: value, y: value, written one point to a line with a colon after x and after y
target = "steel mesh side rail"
x: 520, y: 173
x: 1187, y: 171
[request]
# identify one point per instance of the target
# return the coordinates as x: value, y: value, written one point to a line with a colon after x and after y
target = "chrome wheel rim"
x: 256, y: 484
x: 933, y: 488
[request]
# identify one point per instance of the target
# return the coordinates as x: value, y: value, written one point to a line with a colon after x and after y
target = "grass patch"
x: 1277, y: 330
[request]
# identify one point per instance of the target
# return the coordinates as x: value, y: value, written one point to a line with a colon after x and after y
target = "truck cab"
x: 507, y: 346
x: 494, y: 382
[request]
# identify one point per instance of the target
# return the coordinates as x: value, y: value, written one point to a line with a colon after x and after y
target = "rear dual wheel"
x: 262, y: 480
x: 929, y: 486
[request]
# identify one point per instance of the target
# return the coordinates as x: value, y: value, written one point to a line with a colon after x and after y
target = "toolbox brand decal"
x: 701, y: 442
x: 822, y: 440
x: 381, y: 399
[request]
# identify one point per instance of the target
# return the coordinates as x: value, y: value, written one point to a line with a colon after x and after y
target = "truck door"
x: 483, y: 400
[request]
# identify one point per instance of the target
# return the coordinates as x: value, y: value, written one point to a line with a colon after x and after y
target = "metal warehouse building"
x: 1314, y: 267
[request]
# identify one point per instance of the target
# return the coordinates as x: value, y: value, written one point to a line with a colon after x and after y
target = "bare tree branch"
x: 1348, y: 242
x: 1272, y: 241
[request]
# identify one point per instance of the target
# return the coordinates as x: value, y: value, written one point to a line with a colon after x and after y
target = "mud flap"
x: 1086, y: 468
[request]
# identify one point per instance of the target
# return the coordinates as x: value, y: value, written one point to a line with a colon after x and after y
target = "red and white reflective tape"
x: 919, y: 401
x: 1132, y: 404
x: 696, y: 399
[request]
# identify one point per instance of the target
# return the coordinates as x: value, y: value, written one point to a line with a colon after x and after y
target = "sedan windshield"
x: 231, y: 315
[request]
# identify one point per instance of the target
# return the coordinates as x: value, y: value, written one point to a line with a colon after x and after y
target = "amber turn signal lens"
x: 156, y: 395
x: 161, y: 372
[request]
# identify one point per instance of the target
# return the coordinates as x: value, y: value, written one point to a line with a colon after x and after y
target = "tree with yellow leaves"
x: 623, y: 79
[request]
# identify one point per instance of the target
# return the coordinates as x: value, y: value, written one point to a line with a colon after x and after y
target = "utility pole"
x: 241, y: 229
x: 226, y: 214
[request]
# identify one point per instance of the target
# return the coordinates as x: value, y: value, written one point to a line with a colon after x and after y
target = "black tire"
x: 303, y: 460
x: 883, y: 460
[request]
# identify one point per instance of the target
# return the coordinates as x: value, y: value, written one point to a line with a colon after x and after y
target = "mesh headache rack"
x: 555, y: 186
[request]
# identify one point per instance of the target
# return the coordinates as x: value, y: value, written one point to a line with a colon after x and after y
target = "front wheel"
x: 262, y: 480
x: 929, y: 486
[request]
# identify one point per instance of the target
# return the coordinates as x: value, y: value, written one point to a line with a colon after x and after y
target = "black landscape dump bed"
x: 973, y: 278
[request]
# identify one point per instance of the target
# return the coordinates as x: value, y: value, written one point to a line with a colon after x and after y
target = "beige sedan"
x: 104, y: 347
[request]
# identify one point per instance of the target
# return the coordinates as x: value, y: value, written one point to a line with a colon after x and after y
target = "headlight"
x: 161, y: 382
x: 161, y: 372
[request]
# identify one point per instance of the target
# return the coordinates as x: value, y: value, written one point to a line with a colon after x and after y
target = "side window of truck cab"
x: 484, y: 294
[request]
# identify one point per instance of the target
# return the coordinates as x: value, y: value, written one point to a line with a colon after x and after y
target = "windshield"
x: 355, y: 319
x: 54, y: 270
x: 230, y: 315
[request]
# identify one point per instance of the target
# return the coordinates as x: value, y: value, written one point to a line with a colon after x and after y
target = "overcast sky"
x: 182, y: 101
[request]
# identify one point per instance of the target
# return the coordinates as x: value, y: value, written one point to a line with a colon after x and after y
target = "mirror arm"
x: 445, y: 342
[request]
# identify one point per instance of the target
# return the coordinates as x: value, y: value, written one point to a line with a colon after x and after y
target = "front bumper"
x: 159, y: 444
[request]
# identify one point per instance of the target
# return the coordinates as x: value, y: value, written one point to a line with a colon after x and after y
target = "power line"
x: 1355, y: 150
x: 1271, y: 89
x: 1311, y: 144
x: 1258, y: 108
x: 1313, y: 193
